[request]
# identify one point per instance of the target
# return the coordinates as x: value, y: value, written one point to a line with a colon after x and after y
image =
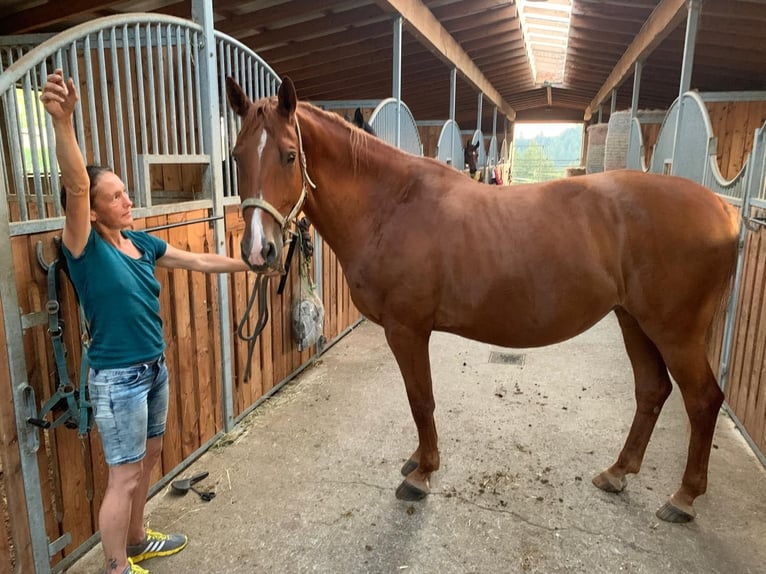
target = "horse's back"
x: 545, y: 262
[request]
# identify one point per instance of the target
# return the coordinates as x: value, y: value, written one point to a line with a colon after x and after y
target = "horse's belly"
x: 532, y: 316
x: 505, y: 330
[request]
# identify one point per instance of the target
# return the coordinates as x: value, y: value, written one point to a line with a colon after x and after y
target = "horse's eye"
x: 291, y: 157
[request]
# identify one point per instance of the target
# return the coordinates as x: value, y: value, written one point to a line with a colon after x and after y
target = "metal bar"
x: 162, y: 119
x: 17, y: 369
x: 202, y: 13
x: 132, y: 140
x: 183, y: 223
x: 152, y: 119
x: 52, y: 162
x: 754, y: 181
x: 118, y: 104
x: 397, y: 80
x: 45, y: 144
x: 140, y: 88
x: 172, y: 93
x: 29, y: 104
x: 190, y: 129
x: 479, y: 105
x: 614, y: 103
x: 106, y: 114
x: 692, y: 24
x: 638, y: 68
x: 197, y: 95
x: 180, y: 93
x: 17, y: 157
x: 90, y: 89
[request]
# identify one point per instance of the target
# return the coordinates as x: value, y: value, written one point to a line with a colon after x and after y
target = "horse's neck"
x: 343, y: 202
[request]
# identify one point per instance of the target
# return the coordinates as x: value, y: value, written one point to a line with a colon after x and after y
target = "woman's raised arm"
x: 59, y: 98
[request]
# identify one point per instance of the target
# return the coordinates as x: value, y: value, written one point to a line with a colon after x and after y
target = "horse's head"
x: 471, y: 156
x: 360, y: 122
x: 269, y: 171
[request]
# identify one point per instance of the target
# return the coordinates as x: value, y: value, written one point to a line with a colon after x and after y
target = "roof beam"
x: 47, y: 14
x: 424, y: 25
x: 661, y: 22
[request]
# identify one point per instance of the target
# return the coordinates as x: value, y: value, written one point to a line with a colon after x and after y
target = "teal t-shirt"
x: 120, y: 298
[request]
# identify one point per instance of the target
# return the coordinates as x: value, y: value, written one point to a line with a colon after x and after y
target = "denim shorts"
x: 130, y: 405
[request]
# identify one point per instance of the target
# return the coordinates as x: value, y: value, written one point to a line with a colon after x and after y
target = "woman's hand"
x: 59, y: 97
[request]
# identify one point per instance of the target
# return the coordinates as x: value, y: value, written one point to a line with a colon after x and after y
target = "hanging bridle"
x: 260, y: 290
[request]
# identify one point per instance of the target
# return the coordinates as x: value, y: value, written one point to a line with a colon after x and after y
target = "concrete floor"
x: 307, y: 482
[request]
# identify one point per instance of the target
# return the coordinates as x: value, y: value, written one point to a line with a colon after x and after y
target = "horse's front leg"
x: 410, y: 348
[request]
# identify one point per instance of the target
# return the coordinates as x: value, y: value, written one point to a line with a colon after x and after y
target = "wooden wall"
x: 746, y: 386
x: 191, y: 315
x: 734, y: 124
x: 429, y: 137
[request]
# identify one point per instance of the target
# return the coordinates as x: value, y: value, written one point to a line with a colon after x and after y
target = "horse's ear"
x: 288, y: 98
x: 476, y: 145
x: 238, y: 100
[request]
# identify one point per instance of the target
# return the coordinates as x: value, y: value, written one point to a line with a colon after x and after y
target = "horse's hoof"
x: 409, y: 466
x: 410, y: 492
x: 609, y: 483
x: 669, y: 512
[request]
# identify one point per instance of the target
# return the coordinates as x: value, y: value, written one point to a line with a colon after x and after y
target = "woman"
x: 112, y: 270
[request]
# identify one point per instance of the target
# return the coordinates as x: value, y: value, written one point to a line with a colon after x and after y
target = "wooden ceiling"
x: 343, y: 49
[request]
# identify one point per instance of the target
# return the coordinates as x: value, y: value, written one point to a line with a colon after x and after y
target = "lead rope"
x: 261, y: 292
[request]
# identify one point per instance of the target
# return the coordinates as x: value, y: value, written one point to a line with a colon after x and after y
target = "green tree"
x: 533, y: 165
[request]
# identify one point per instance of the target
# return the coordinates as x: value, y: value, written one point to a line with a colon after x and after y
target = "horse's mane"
x: 359, y: 140
x: 364, y: 148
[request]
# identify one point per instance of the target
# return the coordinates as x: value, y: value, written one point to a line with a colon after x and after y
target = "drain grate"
x: 506, y: 358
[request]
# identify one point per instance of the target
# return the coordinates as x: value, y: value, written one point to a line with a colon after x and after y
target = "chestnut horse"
x: 424, y: 248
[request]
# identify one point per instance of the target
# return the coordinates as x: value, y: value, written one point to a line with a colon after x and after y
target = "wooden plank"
x: 737, y: 142
x: 717, y: 113
x: 749, y: 386
x: 181, y: 317
x: 754, y: 415
x: 742, y: 322
x: 267, y: 362
x: 202, y: 337
x: 5, y: 535
x: 277, y: 348
x: 172, y: 448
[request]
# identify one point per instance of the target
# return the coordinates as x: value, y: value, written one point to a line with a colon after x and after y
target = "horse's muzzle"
x: 266, y: 260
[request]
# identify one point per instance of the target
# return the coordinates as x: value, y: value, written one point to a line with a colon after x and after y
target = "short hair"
x: 94, y: 174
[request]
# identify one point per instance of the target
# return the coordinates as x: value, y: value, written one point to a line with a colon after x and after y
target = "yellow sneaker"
x: 156, y: 544
x: 133, y: 569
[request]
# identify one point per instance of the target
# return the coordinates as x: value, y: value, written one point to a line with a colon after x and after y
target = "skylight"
x: 545, y: 25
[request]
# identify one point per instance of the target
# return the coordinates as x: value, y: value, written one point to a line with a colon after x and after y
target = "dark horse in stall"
x: 359, y: 121
x: 471, y: 156
x: 423, y: 248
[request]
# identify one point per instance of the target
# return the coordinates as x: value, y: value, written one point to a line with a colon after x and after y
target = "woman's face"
x: 111, y: 205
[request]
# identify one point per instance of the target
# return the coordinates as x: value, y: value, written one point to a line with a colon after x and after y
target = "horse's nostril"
x: 269, y: 252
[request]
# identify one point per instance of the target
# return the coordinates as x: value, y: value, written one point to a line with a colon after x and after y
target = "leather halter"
x: 284, y: 222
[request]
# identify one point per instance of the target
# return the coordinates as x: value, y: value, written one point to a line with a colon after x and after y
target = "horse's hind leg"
x: 652, y: 389
x: 410, y: 348
x: 702, y: 400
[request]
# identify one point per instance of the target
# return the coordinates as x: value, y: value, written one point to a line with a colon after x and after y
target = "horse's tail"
x: 728, y: 278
